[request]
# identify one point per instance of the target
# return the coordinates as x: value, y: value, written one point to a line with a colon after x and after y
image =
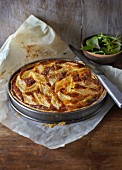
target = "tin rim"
x: 54, y: 116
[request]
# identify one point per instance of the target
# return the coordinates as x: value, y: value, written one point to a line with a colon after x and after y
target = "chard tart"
x: 56, y: 86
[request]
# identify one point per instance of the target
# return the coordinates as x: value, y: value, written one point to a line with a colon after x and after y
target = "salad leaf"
x: 103, y: 44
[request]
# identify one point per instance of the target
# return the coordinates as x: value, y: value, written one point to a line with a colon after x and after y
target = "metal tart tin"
x: 54, y: 117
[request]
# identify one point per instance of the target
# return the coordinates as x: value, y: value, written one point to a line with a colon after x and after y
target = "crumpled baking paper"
x: 36, y: 40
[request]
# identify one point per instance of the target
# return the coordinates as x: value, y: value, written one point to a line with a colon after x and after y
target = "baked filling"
x: 56, y: 86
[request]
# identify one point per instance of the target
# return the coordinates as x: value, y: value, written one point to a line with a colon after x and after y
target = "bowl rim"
x: 103, y: 55
x: 99, y: 55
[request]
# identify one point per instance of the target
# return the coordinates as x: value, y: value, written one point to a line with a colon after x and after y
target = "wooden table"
x: 73, y: 20
x: 101, y: 149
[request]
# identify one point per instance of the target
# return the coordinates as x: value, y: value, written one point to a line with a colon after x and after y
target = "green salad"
x: 103, y: 44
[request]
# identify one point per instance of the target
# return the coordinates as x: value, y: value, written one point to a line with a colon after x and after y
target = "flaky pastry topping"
x: 56, y: 86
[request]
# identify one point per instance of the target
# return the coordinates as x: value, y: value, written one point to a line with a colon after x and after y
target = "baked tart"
x: 56, y: 86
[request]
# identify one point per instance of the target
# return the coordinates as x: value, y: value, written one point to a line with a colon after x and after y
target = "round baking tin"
x: 54, y: 117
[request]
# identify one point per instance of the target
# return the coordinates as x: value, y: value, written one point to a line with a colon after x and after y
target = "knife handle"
x: 113, y: 91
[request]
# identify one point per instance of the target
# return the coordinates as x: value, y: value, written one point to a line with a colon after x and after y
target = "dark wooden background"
x: 72, y: 20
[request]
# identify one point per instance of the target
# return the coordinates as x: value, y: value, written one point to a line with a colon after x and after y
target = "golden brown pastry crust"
x: 56, y: 86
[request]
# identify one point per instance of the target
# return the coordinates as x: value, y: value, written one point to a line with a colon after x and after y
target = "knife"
x: 112, y: 90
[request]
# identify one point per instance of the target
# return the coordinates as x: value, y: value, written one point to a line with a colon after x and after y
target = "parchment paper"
x: 36, y: 40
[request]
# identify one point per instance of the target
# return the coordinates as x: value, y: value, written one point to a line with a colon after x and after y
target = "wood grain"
x: 72, y: 20
x: 101, y: 149
x: 103, y: 16
x: 63, y: 16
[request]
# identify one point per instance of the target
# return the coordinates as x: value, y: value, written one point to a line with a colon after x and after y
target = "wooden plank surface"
x: 63, y: 16
x: 101, y: 16
x: 101, y: 149
x: 72, y: 20
x: 68, y: 18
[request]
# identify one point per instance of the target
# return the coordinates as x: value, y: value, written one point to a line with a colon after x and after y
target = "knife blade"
x: 112, y: 90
